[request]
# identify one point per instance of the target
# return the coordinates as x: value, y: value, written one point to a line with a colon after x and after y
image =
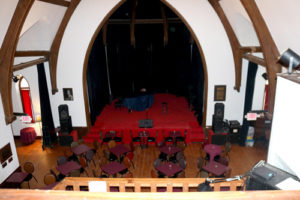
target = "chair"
x: 90, y: 156
x: 74, y: 144
x: 118, y: 138
x: 152, y: 137
x: 169, y: 139
x: 109, y: 156
x: 161, y: 144
x: 135, y: 138
x: 108, y: 136
x: 179, y: 156
x: 181, y: 138
x: 131, y: 147
x: 153, y: 174
x: 29, y: 168
x: 111, y: 144
x: 157, y: 162
x: 182, y: 163
x: 162, y: 156
x: 82, y: 162
x: 49, y: 179
x: 130, y: 156
x: 61, y: 160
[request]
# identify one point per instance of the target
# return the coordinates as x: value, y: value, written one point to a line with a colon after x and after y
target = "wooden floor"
x: 242, y: 159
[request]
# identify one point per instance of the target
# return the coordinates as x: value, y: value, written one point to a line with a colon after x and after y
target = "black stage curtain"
x: 251, y: 76
x: 172, y: 68
x: 46, y: 113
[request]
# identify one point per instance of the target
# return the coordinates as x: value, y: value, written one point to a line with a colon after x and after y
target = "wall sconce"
x: 289, y: 59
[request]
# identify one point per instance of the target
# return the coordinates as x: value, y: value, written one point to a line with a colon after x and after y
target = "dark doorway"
x: 175, y: 67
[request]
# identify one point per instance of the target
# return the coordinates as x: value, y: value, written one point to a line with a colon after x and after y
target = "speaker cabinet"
x: 234, y: 131
x: 66, y: 125
x: 217, y: 124
x: 219, y: 111
x: 63, y: 112
x: 146, y: 123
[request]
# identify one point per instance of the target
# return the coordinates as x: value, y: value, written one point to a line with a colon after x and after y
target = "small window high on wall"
x: 25, y: 97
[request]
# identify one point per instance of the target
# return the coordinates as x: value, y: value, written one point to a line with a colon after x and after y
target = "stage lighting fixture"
x: 15, y: 78
x: 289, y: 59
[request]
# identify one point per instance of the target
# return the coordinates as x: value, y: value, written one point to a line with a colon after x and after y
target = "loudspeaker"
x: 234, y: 131
x: 219, y: 111
x: 63, y: 112
x: 217, y: 124
x: 146, y: 123
x: 66, y: 125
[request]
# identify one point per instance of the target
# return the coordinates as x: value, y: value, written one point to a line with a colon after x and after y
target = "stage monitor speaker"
x: 217, y: 125
x: 66, y: 125
x: 219, y: 111
x: 63, y: 112
x: 268, y: 177
x: 146, y: 123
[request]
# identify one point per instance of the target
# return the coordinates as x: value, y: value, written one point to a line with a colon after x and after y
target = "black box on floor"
x: 234, y: 131
x: 267, y: 177
x: 65, y: 140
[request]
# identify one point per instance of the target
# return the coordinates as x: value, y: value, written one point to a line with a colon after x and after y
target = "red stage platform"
x: 178, y: 117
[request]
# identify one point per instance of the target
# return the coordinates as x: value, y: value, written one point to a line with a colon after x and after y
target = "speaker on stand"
x: 218, y: 117
x: 64, y: 119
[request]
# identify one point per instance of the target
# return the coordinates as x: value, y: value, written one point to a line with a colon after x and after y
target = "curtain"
x: 25, y: 94
x: 46, y: 113
x: 251, y: 76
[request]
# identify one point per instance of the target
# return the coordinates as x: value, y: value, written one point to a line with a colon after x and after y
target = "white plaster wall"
x: 282, y: 18
x: 40, y: 26
x: 218, y: 55
x: 7, y: 9
x: 84, y: 22
x: 6, y: 136
x: 259, y: 89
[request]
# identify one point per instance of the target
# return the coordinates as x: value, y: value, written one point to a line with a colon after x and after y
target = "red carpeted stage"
x: 176, y: 117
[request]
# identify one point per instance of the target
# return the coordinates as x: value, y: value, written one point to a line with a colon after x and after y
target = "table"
x: 80, y: 149
x: 17, y: 177
x: 168, y: 168
x: 213, y: 150
x: 67, y: 167
x: 215, y: 168
x: 28, y: 135
x: 113, y: 168
x: 169, y: 150
x: 119, y: 150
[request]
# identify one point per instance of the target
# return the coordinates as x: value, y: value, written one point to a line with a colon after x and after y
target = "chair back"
x: 82, y: 162
x: 200, y: 163
x: 126, y: 162
x: 74, y: 144
x: 28, y: 167
x: 61, y: 160
x: 89, y: 155
x: 130, y: 155
x: 49, y: 179
x: 182, y: 163
x: 157, y: 162
x: 111, y: 144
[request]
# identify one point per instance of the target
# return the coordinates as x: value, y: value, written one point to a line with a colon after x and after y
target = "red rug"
x: 178, y: 117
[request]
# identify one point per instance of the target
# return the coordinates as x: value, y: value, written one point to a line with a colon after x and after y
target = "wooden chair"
x: 89, y: 156
x: 75, y: 173
x: 130, y: 156
x: 29, y: 168
x: 49, y: 179
x: 61, y: 160
x: 83, y: 164
x: 135, y: 138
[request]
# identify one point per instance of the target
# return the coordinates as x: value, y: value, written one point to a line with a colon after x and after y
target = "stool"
x: 28, y: 135
x: 164, y: 107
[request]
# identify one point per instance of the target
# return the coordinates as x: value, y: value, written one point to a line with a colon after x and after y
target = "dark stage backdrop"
x: 173, y: 68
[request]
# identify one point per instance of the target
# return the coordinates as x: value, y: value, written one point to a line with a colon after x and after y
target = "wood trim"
x: 17, y: 194
x: 268, y: 46
x: 29, y: 64
x: 7, y: 53
x: 250, y: 49
x: 86, y: 60
x: 32, y: 53
x: 132, y: 24
x: 202, y: 57
x: 57, y: 2
x: 165, y: 25
x: 255, y: 59
x: 57, y: 41
x: 234, y: 42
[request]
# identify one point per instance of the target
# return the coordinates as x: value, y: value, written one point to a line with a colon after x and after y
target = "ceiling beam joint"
x: 57, y: 2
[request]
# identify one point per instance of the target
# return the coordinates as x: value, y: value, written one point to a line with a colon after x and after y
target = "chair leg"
x: 132, y: 164
x: 34, y: 178
x: 28, y: 184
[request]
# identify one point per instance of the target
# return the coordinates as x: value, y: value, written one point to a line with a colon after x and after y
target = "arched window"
x: 25, y: 97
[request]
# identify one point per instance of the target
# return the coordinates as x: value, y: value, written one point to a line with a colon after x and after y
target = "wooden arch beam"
x: 132, y: 24
x: 234, y: 42
x: 165, y: 25
x: 7, y: 53
x: 57, y: 41
x: 268, y: 46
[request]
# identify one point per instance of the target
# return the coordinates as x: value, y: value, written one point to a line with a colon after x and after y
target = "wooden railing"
x: 146, y: 184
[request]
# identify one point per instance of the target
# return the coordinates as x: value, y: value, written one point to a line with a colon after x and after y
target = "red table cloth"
x: 28, y: 135
x: 169, y: 168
